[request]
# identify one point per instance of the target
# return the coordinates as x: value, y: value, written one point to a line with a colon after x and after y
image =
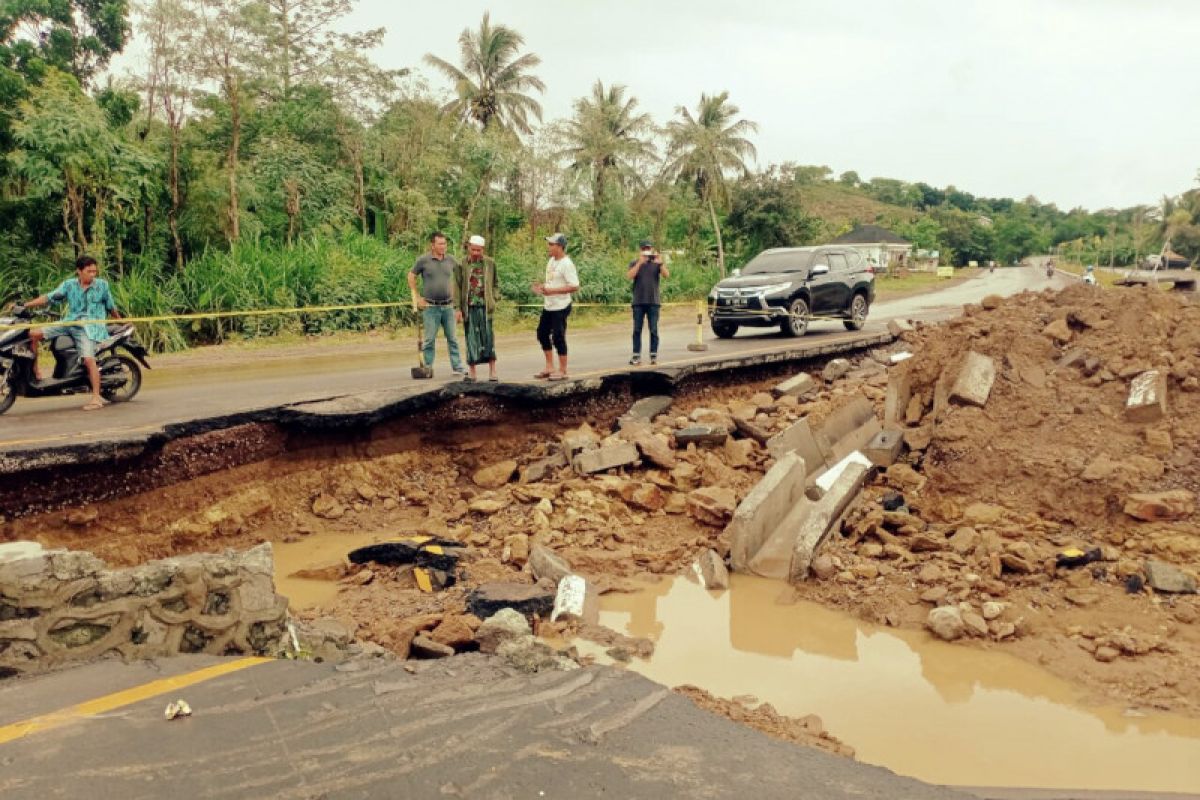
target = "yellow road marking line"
x: 100, y: 705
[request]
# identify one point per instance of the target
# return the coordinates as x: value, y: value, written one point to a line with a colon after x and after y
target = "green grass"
x: 888, y: 287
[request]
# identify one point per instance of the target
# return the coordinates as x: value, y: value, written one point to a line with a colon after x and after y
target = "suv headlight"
x: 774, y: 288
x: 713, y: 294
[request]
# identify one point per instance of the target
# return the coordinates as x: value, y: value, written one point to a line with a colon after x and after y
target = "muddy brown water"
x: 942, y: 713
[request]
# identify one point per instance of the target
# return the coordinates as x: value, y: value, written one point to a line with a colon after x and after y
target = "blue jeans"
x: 649, y: 314
x: 441, y: 317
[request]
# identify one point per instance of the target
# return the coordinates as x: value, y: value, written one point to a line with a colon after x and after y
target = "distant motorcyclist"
x: 88, y: 298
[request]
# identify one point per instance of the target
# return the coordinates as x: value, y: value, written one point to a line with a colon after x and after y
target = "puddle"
x: 931, y: 710
x: 318, y: 550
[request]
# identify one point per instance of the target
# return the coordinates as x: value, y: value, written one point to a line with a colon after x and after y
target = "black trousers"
x: 552, y: 330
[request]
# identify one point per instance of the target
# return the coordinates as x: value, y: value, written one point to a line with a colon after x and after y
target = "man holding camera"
x: 646, y: 271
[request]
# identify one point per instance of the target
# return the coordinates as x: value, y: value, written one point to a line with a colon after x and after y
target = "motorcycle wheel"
x: 131, y: 381
x: 8, y: 395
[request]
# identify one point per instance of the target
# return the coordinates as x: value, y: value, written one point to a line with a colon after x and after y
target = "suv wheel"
x: 858, y: 313
x: 796, y: 323
x: 724, y: 330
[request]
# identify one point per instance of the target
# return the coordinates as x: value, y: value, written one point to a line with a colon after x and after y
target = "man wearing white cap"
x: 561, y: 282
x: 475, y: 284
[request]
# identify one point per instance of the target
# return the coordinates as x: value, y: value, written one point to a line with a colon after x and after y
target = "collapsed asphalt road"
x: 465, y: 727
x: 178, y: 396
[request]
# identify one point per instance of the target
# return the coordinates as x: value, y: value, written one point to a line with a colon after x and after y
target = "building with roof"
x: 879, y: 246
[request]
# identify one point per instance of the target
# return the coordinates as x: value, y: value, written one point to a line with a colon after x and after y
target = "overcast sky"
x: 1054, y: 98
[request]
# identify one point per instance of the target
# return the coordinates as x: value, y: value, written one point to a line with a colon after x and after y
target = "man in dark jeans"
x: 436, y: 300
x: 645, y: 271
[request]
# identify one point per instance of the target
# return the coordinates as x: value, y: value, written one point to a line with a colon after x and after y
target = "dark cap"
x: 558, y: 239
x: 645, y: 243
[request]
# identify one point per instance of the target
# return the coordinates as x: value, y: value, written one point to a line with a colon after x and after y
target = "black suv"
x: 787, y: 286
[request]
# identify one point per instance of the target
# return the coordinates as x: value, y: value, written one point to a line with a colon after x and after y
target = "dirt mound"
x: 1034, y: 509
x: 1053, y: 438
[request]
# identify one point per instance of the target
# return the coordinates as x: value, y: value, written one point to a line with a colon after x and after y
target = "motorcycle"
x: 1049, y: 271
x: 119, y: 358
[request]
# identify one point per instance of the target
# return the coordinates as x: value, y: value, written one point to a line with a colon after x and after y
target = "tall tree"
x: 224, y: 44
x: 605, y: 137
x: 169, y: 28
x: 74, y: 36
x: 705, y: 147
x: 493, y: 82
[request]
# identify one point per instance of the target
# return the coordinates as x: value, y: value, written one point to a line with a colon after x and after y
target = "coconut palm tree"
x: 605, y: 139
x: 705, y: 147
x: 493, y: 81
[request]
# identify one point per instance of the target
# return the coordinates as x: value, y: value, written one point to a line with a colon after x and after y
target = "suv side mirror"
x: 818, y: 269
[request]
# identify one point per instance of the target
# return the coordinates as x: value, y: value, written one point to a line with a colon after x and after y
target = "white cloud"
x: 1079, y: 102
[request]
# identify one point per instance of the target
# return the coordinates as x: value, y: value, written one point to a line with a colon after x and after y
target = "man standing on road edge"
x: 560, y: 283
x: 436, y: 299
x: 645, y: 272
x: 478, y: 295
x: 87, y: 297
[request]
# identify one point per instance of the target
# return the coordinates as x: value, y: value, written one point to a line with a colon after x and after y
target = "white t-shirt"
x: 560, y: 273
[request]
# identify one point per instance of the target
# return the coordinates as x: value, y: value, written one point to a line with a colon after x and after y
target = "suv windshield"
x: 789, y: 261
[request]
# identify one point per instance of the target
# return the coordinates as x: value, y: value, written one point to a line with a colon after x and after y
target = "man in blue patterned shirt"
x: 87, y: 298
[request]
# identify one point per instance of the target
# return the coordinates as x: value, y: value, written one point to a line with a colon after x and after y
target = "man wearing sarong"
x: 478, y: 295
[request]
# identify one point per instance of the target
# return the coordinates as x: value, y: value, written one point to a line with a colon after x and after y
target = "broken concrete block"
x: 796, y: 386
x: 897, y: 358
x: 701, y: 435
x: 899, y: 394
x: 764, y: 508
x: 570, y: 598
x: 847, y: 429
x: 649, y: 407
x: 975, y: 379
x: 606, y: 458
x: 827, y: 479
x: 577, y: 441
x: 538, y: 470
x: 752, y: 431
x: 835, y: 369
x: 489, y: 598
x: 654, y: 448
x: 1151, y: 507
x: 710, y: 570
x: 885, y: 448
x: 819, y: 520
x: 1147, y: 397
x: 896, y: 327
x: 798, y: 438
x: 548, y: 565
x: 1165, y: 578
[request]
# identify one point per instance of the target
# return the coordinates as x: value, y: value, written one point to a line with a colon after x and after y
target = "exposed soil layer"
x: 992, y: 494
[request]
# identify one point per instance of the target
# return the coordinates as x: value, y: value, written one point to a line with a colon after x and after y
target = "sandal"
x: 559, y: 376
x: 95, y: 405
x: 493, y: 379
x: 544, y: 374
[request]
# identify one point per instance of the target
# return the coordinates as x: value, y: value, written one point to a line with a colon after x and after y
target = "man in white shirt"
x: 560, y: 283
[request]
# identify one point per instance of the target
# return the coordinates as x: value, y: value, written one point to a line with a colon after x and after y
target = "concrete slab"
x: 798, y: 438
x: 821, y: 518
x: 764, y: 508
x: 848, y: 429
